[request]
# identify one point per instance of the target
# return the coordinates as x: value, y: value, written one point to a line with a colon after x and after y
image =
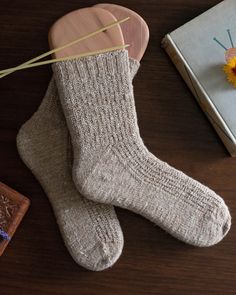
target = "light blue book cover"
x: 198, y: 50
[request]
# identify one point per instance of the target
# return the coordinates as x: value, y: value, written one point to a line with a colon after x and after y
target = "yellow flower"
x: 230, y: 70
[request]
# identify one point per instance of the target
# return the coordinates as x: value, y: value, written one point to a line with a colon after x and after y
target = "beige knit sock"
x: 91, y: 231
x: 112, y: 165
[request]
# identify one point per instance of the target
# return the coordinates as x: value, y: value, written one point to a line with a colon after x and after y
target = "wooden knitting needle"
x: 50, y: 61
x: 136, y: 32
x: 75, y: 41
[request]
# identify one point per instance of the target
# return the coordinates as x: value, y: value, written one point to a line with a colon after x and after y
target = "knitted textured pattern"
x: 91, y: 231
x: 112, y: 165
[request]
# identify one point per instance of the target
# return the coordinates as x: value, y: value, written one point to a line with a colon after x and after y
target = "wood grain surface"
x: 173, y: 128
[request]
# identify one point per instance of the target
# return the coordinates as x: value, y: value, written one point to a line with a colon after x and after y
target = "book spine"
x: 201, y: 96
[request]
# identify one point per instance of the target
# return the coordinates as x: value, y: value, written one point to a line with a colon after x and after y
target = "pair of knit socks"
x: 109, y: 164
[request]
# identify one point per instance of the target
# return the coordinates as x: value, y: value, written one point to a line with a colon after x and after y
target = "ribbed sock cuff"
x: 97, y: 97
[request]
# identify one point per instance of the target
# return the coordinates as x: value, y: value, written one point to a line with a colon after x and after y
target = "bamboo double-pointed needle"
x: 50, y: 61
x: 6, y: 72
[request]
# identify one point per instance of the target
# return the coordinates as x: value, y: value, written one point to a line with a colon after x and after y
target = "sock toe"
x: 215, y: 226
x: 101, y: 256
x: 110, y: 254
x: 224, y: 221
x: 226, y: 226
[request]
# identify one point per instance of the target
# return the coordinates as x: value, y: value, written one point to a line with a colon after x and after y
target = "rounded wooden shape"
x: 135, y: 30
x: 82, y: 22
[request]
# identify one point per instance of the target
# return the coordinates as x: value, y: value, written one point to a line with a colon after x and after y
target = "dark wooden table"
x: 173, y: 127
